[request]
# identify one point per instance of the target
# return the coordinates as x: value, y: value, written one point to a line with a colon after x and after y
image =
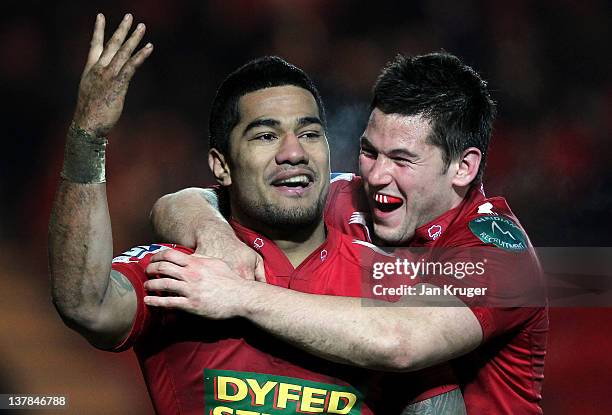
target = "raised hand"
x: 107, y: 75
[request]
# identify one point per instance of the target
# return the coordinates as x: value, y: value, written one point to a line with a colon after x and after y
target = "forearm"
x: 339, y: 329
x: 80, y: 248
x: 380, y: 337
x: 185, y: 216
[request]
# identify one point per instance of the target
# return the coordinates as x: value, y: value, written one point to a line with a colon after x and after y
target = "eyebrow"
x: 402, y: 152
x: 270, y: 122
x: 309, y: 120
x: 263, y: 122
x: 364, y: 142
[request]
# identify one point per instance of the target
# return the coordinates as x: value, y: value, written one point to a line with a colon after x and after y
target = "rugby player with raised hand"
x: 269, y: 150
x: 88, y: 296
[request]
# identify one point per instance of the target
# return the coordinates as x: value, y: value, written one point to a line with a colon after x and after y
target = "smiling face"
x: 278, y: 167
x: 405, y: 178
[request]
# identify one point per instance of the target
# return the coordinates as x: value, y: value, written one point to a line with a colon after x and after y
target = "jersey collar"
x: 428, y: 233
x: 274, y: 257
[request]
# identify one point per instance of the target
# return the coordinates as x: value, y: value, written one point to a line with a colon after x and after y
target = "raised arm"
x: 91, y: 299
x: 191, y: 217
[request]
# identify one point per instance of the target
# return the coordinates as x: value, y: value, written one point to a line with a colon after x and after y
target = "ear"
x: 219, y: 167
x: 467, y: 167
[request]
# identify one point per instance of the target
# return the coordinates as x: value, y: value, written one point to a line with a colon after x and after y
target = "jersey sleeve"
x: 511, y: 283
x: 132, y: 264
x: 514, y: 295
x: 347, y: 208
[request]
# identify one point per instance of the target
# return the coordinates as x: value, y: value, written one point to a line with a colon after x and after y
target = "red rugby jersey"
x: 193, y: 365
x: 504, y: 374
x: 341, y: 266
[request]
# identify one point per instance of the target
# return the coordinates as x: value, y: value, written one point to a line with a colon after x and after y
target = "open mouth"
x: 293, y: 183
x: 299, y: 181
x: 387, y: 203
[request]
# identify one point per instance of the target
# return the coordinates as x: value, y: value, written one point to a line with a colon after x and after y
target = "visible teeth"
x: 295, y: 179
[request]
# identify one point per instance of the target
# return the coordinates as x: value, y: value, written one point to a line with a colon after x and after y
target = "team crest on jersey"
x: 434, y: 231
x: 323, y: 255
x: 499, y: 231
x: 258, y: 243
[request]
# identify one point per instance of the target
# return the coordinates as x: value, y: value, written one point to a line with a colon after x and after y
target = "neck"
x: 459, y: 195
x: 454, y: 199
x: 296, y: 242
x: 298, y: 245
x: 438, y: 208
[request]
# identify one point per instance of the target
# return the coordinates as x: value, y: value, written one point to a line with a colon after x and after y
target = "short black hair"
x: 447, y: 93
x: 261, y: 73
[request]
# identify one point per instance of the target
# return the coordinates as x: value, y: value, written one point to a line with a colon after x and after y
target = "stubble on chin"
x: 274, y: 215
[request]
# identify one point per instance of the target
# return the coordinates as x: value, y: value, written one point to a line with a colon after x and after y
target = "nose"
x: 291, y: 151
x: 378, y: 173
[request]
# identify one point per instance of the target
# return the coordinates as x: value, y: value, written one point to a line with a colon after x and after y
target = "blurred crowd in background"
x: 547, y: 64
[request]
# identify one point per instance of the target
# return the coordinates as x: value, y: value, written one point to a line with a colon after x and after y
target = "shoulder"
x: 344, y: 182
x: 490, y: 222
x: 515, y: 299
x: 346, y: 207
x: 344, y: 192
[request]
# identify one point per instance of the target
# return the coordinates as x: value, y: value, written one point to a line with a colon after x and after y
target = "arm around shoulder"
x: 182, y: 216
x: 383, y: 337
x: 191, y: 217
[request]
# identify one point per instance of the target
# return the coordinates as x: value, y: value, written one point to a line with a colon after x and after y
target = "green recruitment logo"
x: 499, y: 231
x: 228, y: 392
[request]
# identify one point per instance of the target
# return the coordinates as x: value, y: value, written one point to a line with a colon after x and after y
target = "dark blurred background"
x: 547, y: 63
